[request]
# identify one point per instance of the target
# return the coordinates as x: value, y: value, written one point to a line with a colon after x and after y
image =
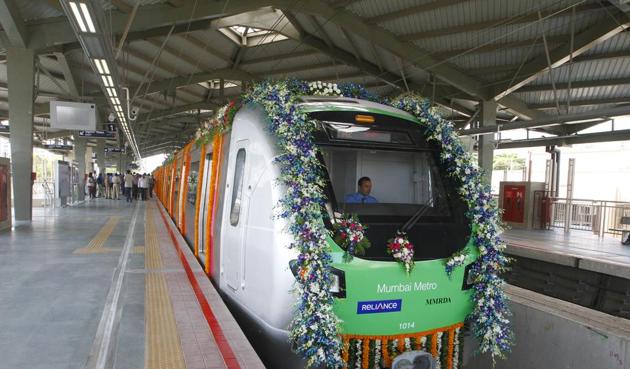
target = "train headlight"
x: 468, y: 277
x: 338, y: 286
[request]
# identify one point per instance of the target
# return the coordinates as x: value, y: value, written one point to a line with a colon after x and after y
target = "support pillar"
x: 21, y: 80
x: 79, y: 154
x: 487, y: 118
x: 100, y: 155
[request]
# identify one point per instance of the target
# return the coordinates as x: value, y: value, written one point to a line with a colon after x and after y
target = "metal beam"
x: 13, y: 23
x: 589, y: 102
x: 176, y: 110
x: 622, y: 135
x: 122, y: 6
x: 427, y: 7
x: 582, y: 58
x: 531, y: 17
x: 576, y: 84
x: 584, y: 41
x: 67, y: 74
x: 173, y: 83
x: 550, y: 121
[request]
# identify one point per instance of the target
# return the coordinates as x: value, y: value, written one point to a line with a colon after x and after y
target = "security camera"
x: 111, y: 117
x: 133, y: 113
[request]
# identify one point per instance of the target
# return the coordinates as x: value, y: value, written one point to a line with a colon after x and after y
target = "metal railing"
x: 598, y: 216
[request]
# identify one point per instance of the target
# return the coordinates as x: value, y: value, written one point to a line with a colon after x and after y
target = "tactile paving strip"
x: 96, y: 244
x: 163, y: 347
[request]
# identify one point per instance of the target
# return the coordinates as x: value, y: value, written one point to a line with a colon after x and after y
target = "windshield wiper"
x: 416, y: 216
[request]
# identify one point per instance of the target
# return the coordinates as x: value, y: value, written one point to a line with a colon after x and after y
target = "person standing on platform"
x: 106, y: 180
x: 150, y: 180
x: 135, y: 186
x: 115, y: 186
x: 91, y: 184
x: 142, y: 187
x: 129, y: 186
x: 99, y: 185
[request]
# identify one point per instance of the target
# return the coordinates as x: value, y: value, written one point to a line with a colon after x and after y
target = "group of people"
x: 133, y: 186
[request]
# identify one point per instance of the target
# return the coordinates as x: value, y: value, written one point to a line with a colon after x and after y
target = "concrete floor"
x: 51, y: 300
x: 86, y: 283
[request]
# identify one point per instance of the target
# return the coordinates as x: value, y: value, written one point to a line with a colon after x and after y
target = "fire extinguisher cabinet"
x: 5, y: 194
x: 516, y: 199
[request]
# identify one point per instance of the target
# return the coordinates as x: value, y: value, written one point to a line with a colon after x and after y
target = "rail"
x: 597, y: 216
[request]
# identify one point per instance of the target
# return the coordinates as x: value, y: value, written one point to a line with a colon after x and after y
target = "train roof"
x: 324, y: 103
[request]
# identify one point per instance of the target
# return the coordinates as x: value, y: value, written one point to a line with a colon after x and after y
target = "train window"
x: 237, y: 190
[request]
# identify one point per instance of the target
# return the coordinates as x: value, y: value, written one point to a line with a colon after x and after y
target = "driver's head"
x: 365, y: 185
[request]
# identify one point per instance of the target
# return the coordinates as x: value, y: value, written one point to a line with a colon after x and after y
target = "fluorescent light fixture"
x: 105, y: 66
x: 114, y: 93
x: 77, y: 16
x: 111, y: 81
x: 106, y: 82
x: 99, y: 66
x: 88, y: 18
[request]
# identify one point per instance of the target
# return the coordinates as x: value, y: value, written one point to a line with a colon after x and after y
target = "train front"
x: 388, y: 306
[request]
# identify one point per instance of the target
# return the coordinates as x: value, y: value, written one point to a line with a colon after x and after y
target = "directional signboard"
x: 4, y: 128
x: 114, y: 149
x: 97, y: 134
x: 57, y: 147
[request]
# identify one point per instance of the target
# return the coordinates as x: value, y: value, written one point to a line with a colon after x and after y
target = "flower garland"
x: 218, y: 124
x: 349, y: 234
x: 456, y: 260
x: 314, y: 329
x: 401, y: 250
x: 490, y: 313
x: 314, y: 332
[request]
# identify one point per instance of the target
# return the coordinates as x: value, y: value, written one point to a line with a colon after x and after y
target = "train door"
x: 204, y: 202
x: 235, y: 217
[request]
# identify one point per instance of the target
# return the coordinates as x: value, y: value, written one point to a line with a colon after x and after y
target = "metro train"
x: 222, y: 196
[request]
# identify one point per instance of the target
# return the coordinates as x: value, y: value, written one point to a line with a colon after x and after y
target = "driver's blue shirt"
x: 359, y: 198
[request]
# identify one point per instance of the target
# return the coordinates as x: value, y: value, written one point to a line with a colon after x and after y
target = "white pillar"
x: 79, y: 154
x: 487, y: 118
x: 21, y: 79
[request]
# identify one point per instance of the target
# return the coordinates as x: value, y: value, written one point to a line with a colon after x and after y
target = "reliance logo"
x: 383, y: 306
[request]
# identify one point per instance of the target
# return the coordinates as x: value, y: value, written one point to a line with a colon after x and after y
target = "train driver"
x: 362, y: 196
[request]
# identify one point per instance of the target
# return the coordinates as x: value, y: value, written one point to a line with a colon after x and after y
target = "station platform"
x: 107, y: 284
x: 579, y: 249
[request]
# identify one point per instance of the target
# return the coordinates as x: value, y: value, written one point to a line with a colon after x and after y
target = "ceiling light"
x: 106, y: 82
x: 99, y: 66
x: 105, y: 66
x: 88, y: 18
x: 77, y: 16
x: 111, y: 82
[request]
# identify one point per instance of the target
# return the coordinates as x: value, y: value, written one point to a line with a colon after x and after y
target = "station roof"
x: 181, y: 59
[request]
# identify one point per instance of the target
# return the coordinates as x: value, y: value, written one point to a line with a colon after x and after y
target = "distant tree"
x: 508, y: 161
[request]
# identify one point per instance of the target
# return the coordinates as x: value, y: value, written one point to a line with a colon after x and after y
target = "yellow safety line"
x: 96, y: 244
x: 163, y: 346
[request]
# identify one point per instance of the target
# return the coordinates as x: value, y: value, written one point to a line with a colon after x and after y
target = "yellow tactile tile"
x: 96, y: 244
x: 163, y: 347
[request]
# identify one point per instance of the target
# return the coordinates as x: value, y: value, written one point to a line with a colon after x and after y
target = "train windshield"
x: 408, y: 189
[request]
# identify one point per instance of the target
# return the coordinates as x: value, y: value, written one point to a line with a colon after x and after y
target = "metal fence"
x: 598, y: 216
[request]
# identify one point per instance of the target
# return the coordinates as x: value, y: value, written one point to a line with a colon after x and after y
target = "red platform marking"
x: 224, y: 347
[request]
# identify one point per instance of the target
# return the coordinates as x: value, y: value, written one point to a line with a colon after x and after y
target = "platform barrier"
x: 552, y: 333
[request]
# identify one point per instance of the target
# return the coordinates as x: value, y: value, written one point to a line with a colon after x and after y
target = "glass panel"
x: 237, y: 190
